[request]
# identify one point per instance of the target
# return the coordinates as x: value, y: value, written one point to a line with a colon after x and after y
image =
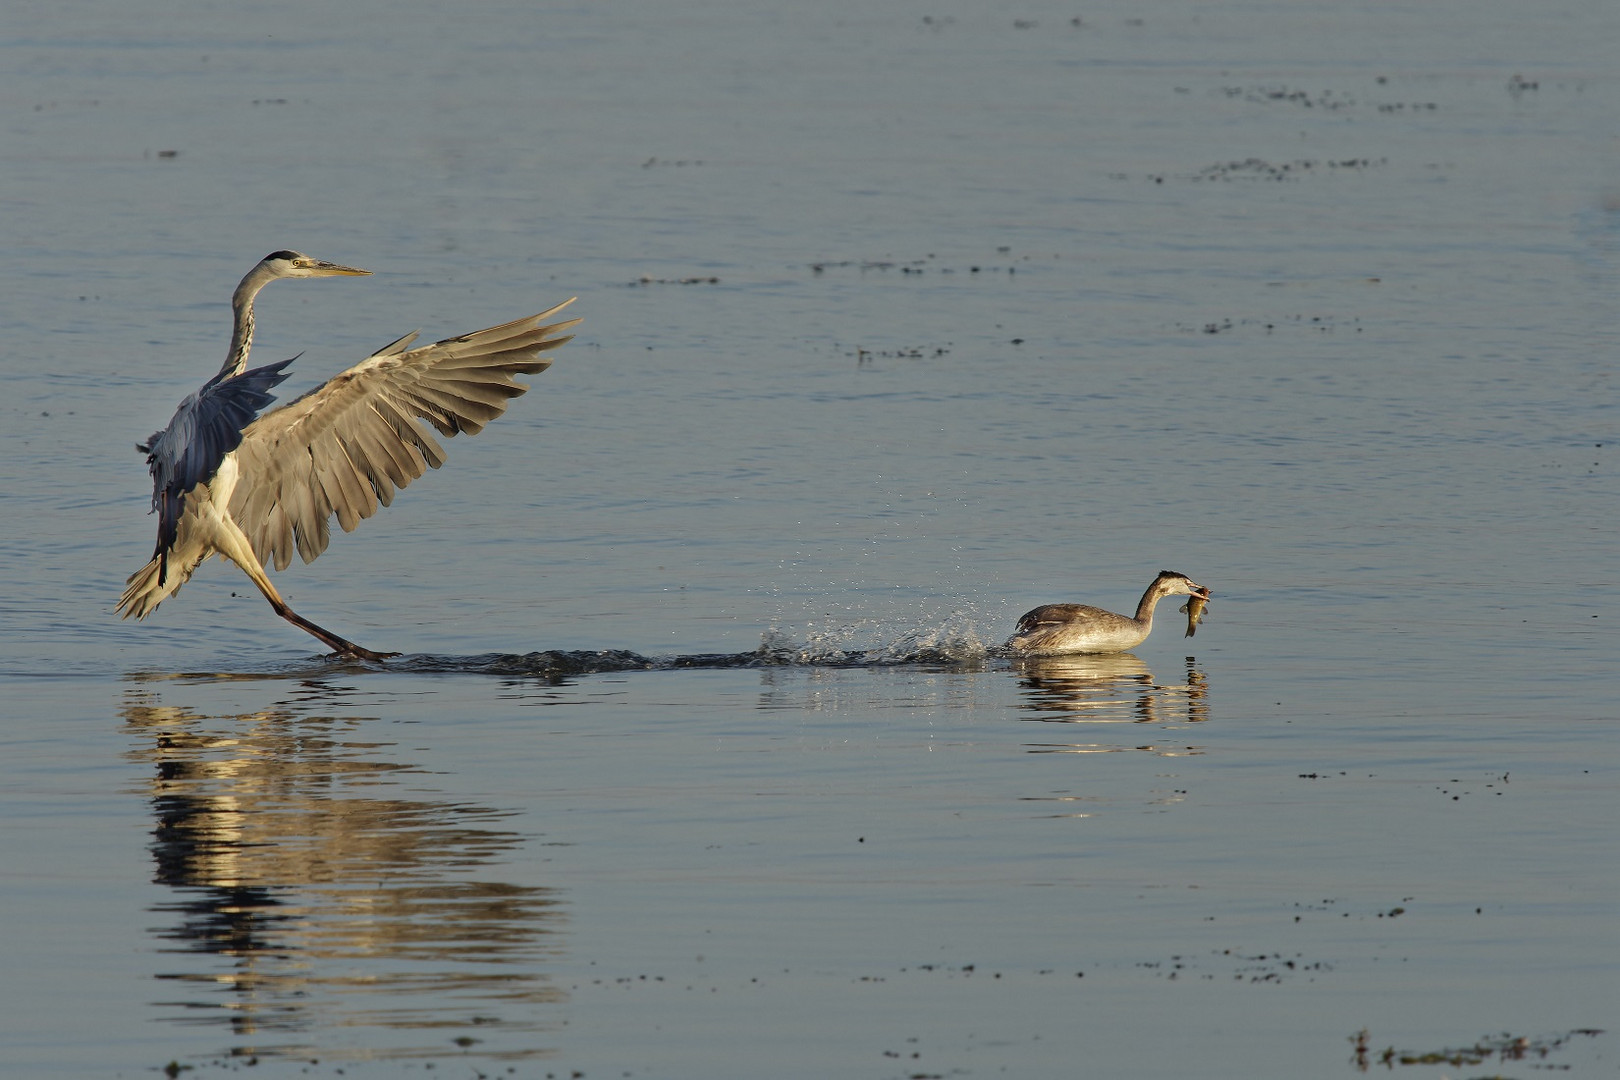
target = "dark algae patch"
x: 1501, y: 1048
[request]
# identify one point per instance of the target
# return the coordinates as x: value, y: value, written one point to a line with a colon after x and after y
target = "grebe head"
x: 1170, y: 583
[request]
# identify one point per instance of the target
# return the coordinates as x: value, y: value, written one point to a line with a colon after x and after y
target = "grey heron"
x: 253, y: 487
x: 1058, y: 629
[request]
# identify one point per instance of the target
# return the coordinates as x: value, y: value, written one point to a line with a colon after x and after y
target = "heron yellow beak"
x: 326, y: 269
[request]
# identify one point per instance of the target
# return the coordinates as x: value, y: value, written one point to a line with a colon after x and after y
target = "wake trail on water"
x: 954, y: 642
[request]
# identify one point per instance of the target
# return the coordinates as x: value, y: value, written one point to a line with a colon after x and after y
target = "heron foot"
x: 350, y: 649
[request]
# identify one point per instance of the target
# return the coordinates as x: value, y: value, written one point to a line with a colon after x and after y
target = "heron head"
x: 295, y: 264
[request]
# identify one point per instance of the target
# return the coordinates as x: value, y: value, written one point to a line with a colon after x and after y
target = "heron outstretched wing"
x: 350, y: 443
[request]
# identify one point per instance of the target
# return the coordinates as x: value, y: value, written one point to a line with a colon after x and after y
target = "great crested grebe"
x: 1053, y: 629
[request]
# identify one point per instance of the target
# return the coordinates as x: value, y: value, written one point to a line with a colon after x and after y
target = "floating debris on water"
x: 1504, y: 1047
x: 645, y: 280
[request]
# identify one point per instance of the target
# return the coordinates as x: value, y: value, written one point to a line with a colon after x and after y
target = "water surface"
x: 701, y: 759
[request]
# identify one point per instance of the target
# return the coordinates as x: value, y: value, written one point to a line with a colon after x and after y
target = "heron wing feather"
x: 349, y: 444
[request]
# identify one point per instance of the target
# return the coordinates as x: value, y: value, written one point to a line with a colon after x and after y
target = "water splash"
x: 953, y: 640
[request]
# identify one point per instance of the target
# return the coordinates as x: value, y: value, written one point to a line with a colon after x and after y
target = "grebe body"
x: 1057, y: 629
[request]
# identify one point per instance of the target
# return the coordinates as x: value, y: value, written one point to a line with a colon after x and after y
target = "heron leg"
x: 241, y: 553
x: 338, y: 645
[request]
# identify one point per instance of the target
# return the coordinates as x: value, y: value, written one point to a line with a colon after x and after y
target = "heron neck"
x: 242, y: 332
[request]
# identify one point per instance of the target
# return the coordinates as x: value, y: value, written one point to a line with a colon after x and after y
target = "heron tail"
x: 154, y: 583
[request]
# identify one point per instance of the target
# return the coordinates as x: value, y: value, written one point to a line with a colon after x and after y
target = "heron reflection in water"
x: 253, y: 488
x: 310, y: 885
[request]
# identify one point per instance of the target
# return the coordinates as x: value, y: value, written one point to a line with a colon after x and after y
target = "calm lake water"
x: 899, y: 320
